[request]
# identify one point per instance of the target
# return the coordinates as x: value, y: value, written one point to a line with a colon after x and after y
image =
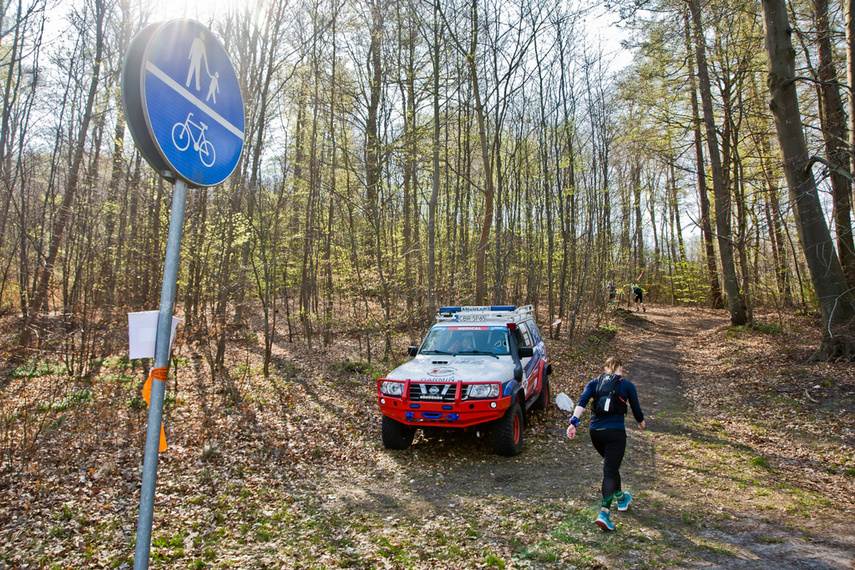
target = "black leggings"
x: 611, y: 445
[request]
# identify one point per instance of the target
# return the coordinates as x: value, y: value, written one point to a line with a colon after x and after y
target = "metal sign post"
x: 184, y: 107
x: 158, y: 386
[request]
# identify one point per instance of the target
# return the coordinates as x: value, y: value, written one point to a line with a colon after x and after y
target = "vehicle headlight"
x: 483, y: 390
x: 392, y: 388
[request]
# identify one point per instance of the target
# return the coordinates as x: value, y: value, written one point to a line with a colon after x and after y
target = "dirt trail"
x: 673, y: 461
x: 699, y: 501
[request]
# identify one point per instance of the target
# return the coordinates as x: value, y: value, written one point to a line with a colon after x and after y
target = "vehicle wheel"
x: 542, y: 401
x: 397, y: 435
x: 508, y: 432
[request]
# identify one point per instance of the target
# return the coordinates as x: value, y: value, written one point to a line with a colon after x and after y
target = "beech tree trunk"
x: 703, y: 192
x: 849, y: 16
x: 836, y: 301
x: 434, y: 194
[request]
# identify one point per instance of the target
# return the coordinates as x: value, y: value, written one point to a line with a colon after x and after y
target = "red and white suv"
x: 476, y: 366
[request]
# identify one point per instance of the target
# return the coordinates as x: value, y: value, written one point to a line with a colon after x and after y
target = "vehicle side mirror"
x: 412, y: 351
x: 525, y: 352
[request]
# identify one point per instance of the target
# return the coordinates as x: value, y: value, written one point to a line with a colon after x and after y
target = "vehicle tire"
x: 508, y: 432
x: 542, y: 401
x: 397, y: 435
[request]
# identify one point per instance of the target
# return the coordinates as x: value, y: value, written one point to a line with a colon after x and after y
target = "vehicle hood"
x: 464, y: 367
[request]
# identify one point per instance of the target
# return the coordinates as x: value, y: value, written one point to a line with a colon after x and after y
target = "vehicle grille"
x: 433, y: 392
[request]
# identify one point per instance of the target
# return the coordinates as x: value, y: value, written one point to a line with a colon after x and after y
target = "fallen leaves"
x: 292, y: 474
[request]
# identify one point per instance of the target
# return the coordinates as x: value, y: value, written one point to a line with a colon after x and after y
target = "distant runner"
x: 638, y: 295
x: 612, y: 292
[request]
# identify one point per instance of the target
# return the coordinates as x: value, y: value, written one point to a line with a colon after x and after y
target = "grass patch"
x: 760, y: 462
x: 116, y: 362
x: 350, y: 367
x: 123, y: 379
x: 493, y: 561
x: 72, y: 398
x: 36, y: 368
x: 137, y: 403
x: 542, y: 552
x: 767, y: 329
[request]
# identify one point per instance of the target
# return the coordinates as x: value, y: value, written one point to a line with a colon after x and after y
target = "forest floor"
x: 748, y: 461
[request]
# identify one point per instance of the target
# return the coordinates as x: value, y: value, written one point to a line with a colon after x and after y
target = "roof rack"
x: 525, y: 310
x: 494, y: 311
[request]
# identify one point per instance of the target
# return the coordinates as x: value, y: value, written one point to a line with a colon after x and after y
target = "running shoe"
x: 604, y: 522
x: 624, y: 501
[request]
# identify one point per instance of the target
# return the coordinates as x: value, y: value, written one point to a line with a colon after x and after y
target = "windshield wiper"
x: 478, y: 352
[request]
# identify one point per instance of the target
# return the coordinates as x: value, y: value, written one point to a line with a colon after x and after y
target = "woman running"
x: 610, y: 393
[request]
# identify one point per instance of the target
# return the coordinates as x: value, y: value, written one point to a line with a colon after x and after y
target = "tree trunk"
x: 772, y: 210
x: 834, y: 132
x: 434, y: 195
x: 638, y: 238
x: 675, y: 210
x: 487, y: 220
x: 373, y: 168
x: 849, y: 16
x: 40, y: 298
x: 735, y: 304
x: 10, y: 95
x: 331, y: 205
x: 715, y: 299
x: 567, y: 187
x: 836, y: 301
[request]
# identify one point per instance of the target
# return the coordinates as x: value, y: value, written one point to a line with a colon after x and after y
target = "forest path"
x: 700, y: 487
x: 700, y: 500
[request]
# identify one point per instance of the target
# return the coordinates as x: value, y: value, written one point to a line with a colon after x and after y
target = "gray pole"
x: 161, y: 360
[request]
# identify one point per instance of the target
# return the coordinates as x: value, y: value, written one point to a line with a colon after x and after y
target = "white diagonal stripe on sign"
x: 157, y: 72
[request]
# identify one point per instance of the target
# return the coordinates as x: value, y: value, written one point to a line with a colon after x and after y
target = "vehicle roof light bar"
x: 478, y: 309
x: 493, y: 311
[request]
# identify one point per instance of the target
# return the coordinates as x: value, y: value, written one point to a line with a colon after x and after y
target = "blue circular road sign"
x: 189, y: 98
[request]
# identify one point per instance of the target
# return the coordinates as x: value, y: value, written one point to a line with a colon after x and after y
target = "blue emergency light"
x: 490, y: 308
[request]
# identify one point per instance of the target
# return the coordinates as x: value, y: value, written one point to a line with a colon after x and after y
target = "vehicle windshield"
x: 467, y: 340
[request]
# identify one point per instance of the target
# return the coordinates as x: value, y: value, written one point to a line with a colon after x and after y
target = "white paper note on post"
x: 142, y: 333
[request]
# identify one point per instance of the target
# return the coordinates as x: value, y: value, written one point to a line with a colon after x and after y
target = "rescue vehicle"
x: 477, y: 366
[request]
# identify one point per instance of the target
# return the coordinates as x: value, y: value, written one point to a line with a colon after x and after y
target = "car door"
x: 528, y: 364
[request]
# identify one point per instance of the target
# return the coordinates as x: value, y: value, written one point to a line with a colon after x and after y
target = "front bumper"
x: 459, y: 413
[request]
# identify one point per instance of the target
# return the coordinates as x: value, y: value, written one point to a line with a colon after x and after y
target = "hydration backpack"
x: 607, y: 400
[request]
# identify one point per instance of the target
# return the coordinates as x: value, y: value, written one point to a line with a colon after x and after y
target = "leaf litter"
x: 289, y: 472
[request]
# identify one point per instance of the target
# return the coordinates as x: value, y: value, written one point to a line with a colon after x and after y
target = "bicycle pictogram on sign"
x: 182, y: 134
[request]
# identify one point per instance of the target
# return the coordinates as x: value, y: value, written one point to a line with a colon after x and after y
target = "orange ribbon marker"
x: 159, y: 374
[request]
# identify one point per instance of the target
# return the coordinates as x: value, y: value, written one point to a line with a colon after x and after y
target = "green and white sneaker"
x: 623, y: 501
